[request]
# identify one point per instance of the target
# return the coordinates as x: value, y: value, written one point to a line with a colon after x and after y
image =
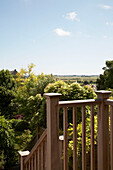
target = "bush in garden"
x: 7, y: 151
x: 72, y: 91
x: 22, y: 125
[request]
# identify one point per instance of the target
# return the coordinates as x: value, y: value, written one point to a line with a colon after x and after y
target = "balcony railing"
x: 46, y: 154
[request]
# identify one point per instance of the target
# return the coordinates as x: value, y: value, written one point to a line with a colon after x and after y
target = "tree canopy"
x: 22, y: 96
x: 7, y: 92
x: 105, y: 80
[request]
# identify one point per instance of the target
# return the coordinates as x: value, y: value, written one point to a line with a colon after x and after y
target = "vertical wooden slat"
x: 75, y: 138
x: 35, y: 161
x: 92, y: 138
x: 39, y: 159
x: 32, y: 162
x: 45, y: 153
x: 29, y: 165
x: 111, y: 136
x: 65, y: 123
x: 42, y: 157
x: 83, y: 139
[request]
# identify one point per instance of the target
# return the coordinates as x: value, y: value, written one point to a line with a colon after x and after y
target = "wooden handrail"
x: 73, y: 103
x: 43, y: 136
x: 109, y: 102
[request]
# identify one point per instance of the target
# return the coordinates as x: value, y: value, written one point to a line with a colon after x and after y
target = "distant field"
x: 80, y: 79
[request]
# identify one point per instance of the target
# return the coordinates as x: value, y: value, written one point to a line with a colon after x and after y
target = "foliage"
x: 6, y: 142
x: 21, y: 125
x: 29, y: 84
x: 70, y: 91
x: 2, y: 159
x: 22, y: 139
x: 29, y: 95
x: 105, y: 80
x: 12, y: 140
x: 27, y: 102
x: 24, y: 96
x: 42, y: 82
x: 7, y: 93
x: 30, y: 106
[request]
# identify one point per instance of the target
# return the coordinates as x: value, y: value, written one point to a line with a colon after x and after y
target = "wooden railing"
x: 37, y: 158
x: 53, y: 151
x: 74, y: 105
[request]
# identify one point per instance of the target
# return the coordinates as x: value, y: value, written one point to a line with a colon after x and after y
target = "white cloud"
x: 61, y: 32
x: 105, y: 36
x: 109, y: 23
x: 106, y: 7
x: 72, y: 16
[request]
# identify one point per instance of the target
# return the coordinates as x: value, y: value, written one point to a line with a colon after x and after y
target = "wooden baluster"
x: 65, y: 123
x: 32, y: 162
x: 42, y: 157
x: 29, y: 165
x: 45, y: 153
x: 39, y: 159
x: 111, y: 136
x: 92, y: 138
x: 26, y: 167
x: 35, y: 159
x: 83, y: 138
x: 74, y: 138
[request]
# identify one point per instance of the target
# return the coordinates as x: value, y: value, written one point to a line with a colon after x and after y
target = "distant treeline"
x: 82, y: 79
x: 76, y: 75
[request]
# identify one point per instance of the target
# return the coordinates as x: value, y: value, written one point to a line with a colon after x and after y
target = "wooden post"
x: 22, y: 156
x: 103, y: 131
x: 52, y: 131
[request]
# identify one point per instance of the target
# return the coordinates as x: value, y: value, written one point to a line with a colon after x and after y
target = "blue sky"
x: 58, y: 36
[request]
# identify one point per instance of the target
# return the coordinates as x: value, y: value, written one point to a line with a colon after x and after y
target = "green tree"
x: 29, y: 95
x: 105, y: 80
x: 72, y: 91
x: 7, y: 93
x: 7, y: 152
x: 42, y: 82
